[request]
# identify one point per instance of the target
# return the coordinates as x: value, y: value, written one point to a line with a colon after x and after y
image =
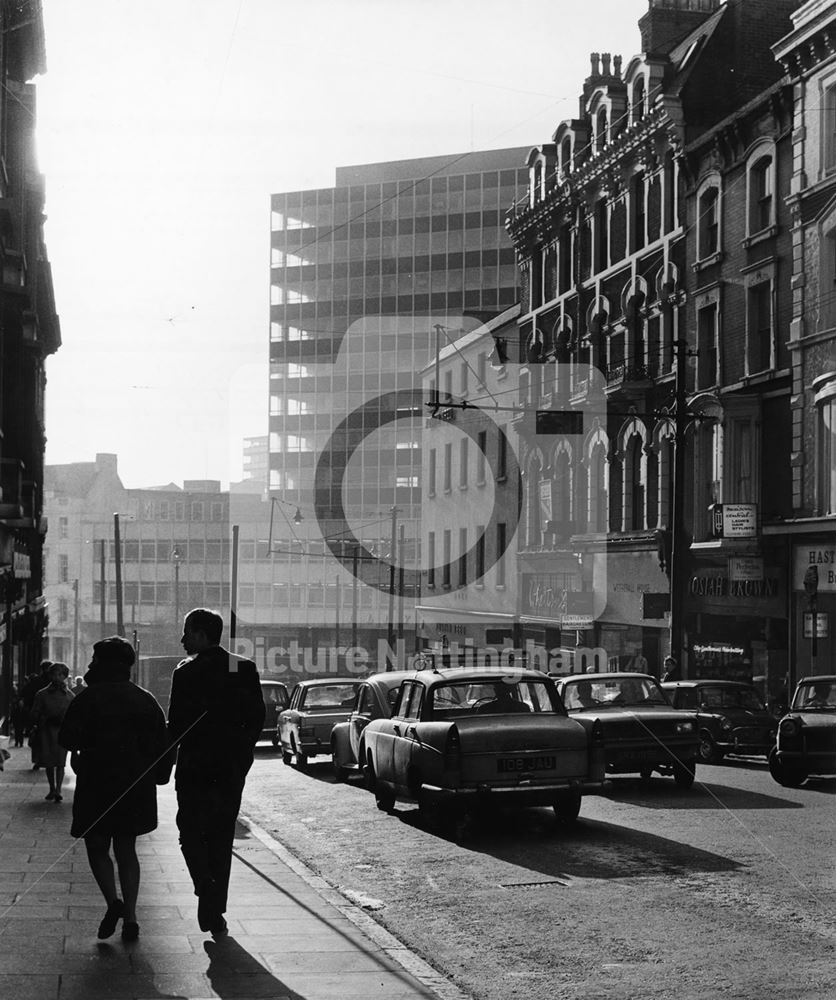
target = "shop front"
x: 634, y: 623
x: 736, y: 624
x: 813, y: 579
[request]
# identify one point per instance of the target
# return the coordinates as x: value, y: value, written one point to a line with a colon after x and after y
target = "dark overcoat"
x: 117, y: 733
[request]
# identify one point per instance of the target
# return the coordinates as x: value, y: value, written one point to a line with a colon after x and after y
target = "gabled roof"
x: 73, y: 480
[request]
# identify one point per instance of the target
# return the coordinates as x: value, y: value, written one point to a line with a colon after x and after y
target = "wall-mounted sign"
x: 820, y: 556
x: 735, y: 520
x: 724, y: 586
x: 22, y: 565
x: 822, y: 626
x: 745, y: 568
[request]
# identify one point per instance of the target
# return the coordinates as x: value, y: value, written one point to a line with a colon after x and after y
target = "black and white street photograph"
x: 417, y: 500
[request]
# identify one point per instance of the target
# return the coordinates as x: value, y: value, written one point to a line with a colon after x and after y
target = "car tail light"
x: 452, y: 749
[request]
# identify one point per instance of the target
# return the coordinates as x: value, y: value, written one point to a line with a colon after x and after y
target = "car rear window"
x: 327, y: 697
x: 457, y: 699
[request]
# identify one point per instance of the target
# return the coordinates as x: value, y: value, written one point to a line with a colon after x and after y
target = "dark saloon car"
x: 276, y: 699
x: 807, y: 733
x: 731, y: 717
x: 642, y: 731
x: 459, y: 739
x: 375, y: 699
x: 316, y: 706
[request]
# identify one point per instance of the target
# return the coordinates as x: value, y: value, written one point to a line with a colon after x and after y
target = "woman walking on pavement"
x: 117, y: 733
x: 48, y: 708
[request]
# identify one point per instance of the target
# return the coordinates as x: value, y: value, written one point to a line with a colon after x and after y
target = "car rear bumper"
x: 628, y: 760
x: 534, y: 794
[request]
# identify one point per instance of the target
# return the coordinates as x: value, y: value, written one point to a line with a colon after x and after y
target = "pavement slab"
x: 291, y: 933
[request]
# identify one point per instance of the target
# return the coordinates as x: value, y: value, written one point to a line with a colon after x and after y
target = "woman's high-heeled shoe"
x: 130, y: 930
x: 115, y: 912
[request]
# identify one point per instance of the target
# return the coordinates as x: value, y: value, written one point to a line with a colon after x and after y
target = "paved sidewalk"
x: 289, y: 936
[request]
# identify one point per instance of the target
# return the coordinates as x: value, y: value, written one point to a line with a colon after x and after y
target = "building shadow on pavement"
x: 661, y: 793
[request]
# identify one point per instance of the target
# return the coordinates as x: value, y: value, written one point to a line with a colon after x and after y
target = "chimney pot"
x: 595, y: 61
x: 605, y: 59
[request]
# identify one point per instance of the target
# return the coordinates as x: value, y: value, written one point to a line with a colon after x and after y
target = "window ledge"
x: 480, y: 482
x: 701, y: 265
x: 478, y: 586
x: 502, y: 479
x: 462, y: 486
x: 500, y: 586
x: 760, y: 236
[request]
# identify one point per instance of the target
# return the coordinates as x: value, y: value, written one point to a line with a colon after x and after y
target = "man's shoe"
x: 219, y: 928
x: 208, y: 911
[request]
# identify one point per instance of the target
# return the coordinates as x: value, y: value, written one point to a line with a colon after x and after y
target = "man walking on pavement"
x: 216, y: 713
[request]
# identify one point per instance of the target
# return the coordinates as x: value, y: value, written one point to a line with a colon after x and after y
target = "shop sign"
x: 724, y: 586
x: 22, y: 566
x: 823, y: 558
x: 735, y: 520
x: 822, y: 626
x: 544, y: 596
x: 746, y: 568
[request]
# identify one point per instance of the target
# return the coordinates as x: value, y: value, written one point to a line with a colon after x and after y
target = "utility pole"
x: 401, y: 551
x: 678, y: 552
x: 75, y: 627
x: 103, y: 595
x: 354, y: 567
x: 233, y: 590
x: 120, y: 624
x: 393, y: 555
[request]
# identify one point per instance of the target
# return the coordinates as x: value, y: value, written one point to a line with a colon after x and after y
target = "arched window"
x: 634, y: 490
x: 534, y: 521
x: 601, y: 129
x: 597, y: 488
x: 562, y: 482
x: 536, y: 182
x: 825, y: 387
x: 638, y: 99
x: 761, y: 193
x: 566, y: 155
x: 708, y: 221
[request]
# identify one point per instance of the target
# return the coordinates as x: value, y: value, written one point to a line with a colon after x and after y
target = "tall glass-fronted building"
x: 368, y: 279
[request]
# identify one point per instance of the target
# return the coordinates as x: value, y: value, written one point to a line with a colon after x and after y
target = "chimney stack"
x: 669, y: 21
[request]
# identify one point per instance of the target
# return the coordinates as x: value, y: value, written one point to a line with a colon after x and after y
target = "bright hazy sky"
x: 164, y: 126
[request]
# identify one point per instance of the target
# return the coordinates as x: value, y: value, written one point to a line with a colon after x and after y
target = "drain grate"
x: 544, y: 883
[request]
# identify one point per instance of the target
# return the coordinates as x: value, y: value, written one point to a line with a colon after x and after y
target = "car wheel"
x: 340, y: 773
x: 567, y: 805
x: 789, y: 777
x: 709, y: 754
x: 684, y: 774
x: 385, y: 801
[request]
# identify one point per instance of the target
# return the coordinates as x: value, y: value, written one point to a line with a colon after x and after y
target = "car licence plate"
x: 506, y: 765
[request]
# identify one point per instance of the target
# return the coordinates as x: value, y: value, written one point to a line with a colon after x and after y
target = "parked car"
x: 807, y: 733
x: 276, y: 698
x: 642, y: 731
x: 375, y: 699
x: 731, y: 717
x: 316, y: 706
x: 466, y: 738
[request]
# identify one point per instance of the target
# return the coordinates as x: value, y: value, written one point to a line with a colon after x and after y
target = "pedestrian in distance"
x: 216, y: 714
x: 48, y: 710
x: 36, y: 678
x: 671, y: 668
x: 117, y: 733
x: 18, y: 715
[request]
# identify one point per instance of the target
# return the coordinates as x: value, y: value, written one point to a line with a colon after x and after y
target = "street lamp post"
x: 176, y: 556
